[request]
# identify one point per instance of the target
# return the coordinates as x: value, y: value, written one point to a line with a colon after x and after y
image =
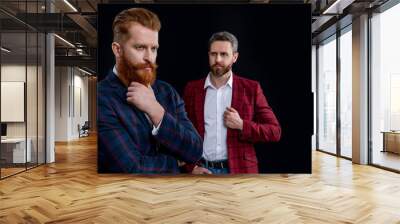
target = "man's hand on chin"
x: 144, y: 99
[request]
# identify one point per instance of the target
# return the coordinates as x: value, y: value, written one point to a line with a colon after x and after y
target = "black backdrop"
x: 274, y: 48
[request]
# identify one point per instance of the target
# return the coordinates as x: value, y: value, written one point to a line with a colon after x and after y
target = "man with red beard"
x: 142, y: 123
x: 231, y: 113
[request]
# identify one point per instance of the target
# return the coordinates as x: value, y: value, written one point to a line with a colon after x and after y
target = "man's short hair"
x: 125, y: 18
x: 224, y: 36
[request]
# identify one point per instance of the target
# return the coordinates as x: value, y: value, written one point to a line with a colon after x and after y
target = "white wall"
x: 62, y: 81
x: 80, y: 104
x: 71, y: 94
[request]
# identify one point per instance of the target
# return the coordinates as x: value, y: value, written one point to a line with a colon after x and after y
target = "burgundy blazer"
x: 259, y: 121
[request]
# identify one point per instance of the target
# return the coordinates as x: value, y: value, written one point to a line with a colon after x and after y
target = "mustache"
x: 216, y: 64
x: 140, y: 66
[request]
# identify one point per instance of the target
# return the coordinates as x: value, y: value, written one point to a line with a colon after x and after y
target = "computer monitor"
x: 3, y: 129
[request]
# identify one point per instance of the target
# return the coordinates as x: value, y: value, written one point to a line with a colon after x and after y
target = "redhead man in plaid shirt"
x: 231, y: 113
x: 142, y: 123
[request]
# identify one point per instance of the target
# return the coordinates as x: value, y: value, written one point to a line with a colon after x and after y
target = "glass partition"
x: 327, y: 96
x: 22, y: 88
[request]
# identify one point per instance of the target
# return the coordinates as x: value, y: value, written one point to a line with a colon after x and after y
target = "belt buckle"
x: 215, y: 165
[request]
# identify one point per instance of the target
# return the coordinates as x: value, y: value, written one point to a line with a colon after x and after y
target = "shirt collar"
x: 208, y: 83
x: 115, y: 71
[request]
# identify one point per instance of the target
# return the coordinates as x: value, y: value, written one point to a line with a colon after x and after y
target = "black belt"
x: 214, y: 165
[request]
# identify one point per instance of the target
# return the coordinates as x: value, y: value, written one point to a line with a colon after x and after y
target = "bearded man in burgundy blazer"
x: 230, y: 113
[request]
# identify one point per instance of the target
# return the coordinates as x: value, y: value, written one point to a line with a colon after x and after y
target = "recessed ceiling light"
x: 70, y: 5
x: 337, y: 7
x: 64, y: 40
x: 84, y: 71
x: 5, y: 50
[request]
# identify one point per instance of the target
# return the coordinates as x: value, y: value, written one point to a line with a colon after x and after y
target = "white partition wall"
x: 71, y: 102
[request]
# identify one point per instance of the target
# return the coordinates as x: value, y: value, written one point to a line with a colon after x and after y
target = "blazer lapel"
x: 142, y: 118
x: 199, y: 107
x: 237, y: 92
x: 237, y: 89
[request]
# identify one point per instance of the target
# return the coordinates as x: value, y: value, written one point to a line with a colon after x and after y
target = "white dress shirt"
x: 155, y: 129
x: 215, y: 104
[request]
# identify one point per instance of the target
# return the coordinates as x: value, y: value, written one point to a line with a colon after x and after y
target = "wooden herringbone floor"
x: 71, y: 191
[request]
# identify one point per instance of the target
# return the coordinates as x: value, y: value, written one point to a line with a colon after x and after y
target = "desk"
x: 391, y: 141
x: 15, y: 148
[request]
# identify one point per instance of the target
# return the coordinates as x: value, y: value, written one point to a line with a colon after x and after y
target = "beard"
x: 137, y: 72
x: 219, y: 70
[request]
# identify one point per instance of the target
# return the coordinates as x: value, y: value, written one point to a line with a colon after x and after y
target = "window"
x: 346, y: 93
x: 385, y: 88
x: 327, y: 96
